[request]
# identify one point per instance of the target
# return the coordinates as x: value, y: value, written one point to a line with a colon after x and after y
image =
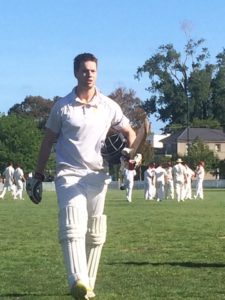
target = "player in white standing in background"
x: 129, y: 174
x: 79, y: 123
x: 19, y: 182
x: 199, y: 174
x: 169, y: 187
x: 8, y: 181
x: 179, y: 178
x: 160, y: 179
x: 187, y: 185
x: 149, y: 182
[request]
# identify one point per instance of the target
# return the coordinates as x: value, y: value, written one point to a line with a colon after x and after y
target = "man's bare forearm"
x: 45, y: 151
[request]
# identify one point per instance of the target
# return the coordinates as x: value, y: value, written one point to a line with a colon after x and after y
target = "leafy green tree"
x: 19, y: 142
x: 199, y: 151
x: 209, y: 123
x: 200, y: 93
x: 35, y: 107
x: 180, y: 86
x: 131, y: 105
x: 218, y: 85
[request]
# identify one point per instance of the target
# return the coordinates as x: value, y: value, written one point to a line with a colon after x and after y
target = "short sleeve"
x: 54, y: 120
x: 120, y: 120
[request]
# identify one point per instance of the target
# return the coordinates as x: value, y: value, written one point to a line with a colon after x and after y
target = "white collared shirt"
x: 82, y: 129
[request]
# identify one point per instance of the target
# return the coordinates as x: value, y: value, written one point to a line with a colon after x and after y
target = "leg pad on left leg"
x: 96, y: 237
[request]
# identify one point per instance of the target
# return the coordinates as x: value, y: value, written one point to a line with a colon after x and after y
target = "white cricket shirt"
x: 82, y: 129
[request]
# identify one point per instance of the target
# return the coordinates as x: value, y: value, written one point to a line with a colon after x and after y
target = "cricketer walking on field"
x: 19, y: 182
x: 149, y: 182
x: 8, y: 181
x: 79, y: 123
x: 129, y: 174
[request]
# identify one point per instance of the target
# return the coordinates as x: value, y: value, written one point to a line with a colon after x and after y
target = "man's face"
x: 87, y: 74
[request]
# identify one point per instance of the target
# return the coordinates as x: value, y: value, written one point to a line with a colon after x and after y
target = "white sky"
x: 40, y: 38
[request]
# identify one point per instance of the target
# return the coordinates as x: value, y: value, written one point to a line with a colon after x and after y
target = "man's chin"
x: 90, y: 86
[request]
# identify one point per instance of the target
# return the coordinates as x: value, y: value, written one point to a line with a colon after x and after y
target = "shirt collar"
x: 93, y: 103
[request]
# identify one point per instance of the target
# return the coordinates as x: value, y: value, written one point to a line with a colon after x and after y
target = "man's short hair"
x: 82, y: 58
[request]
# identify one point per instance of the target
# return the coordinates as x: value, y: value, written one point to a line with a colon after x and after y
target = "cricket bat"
x: 141, y: 135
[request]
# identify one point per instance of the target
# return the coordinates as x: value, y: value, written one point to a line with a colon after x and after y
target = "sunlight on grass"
x: 165, y: 250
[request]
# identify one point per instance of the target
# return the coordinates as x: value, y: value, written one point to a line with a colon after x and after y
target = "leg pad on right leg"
x: 96, y: 237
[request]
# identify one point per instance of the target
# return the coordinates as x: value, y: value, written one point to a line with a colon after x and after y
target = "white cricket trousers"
x: 80, y: 198
x: 129, y: 184
x: 169, y: 187
x: 149, y: 190
x: 9, y: 188
x: 199, y: 188
x: 160, y: 190
x: 179, y: 191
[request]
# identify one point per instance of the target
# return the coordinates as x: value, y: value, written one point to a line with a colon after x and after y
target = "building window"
x: 168, y: 148
x: 217, y: 147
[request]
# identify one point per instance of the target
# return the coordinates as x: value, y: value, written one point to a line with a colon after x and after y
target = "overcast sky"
x: 40, y: 38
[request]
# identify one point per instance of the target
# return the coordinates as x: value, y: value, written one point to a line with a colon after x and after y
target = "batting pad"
x: 72, y: 230
x: 96, y: 237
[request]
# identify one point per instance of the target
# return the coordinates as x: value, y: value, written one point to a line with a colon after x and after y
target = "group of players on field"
x: 13, y: 182
x: 173, y: 181
x: 165, y: 181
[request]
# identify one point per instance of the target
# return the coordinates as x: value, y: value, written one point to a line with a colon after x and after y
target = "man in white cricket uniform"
x: 200, y: 174
x: 187, y: 186
x: 19, y: 181
x: 160, y: 178
x: 179, y: 177
x: 169, y: 187
x: 8, y: 181
x: 79, y: 123
x: 129, y: 174
x: 149, y: 182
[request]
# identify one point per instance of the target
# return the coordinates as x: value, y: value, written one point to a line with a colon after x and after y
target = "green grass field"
x: 164, y: 250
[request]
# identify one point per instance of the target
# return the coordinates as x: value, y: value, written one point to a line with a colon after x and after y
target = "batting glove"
x: 128, y: 152
x: 34, y: 188
x: 138, y: 159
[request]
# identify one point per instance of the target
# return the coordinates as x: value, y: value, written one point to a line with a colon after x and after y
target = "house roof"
x: 205, y: 134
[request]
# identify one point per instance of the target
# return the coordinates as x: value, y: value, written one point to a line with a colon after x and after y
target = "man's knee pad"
x: 71, y: 224
x: 72, y: 230
x: 97, y: 228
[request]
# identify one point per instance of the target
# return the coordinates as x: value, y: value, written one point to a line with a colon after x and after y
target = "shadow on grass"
x: 12, y: 295
x: 187, y: 264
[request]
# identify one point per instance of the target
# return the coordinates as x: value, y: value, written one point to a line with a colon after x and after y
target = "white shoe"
x: 90, y: 294
x: 80, y: 291
x: 128, y: 199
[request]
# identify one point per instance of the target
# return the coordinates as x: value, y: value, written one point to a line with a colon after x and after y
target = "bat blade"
x: 141, y: 135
